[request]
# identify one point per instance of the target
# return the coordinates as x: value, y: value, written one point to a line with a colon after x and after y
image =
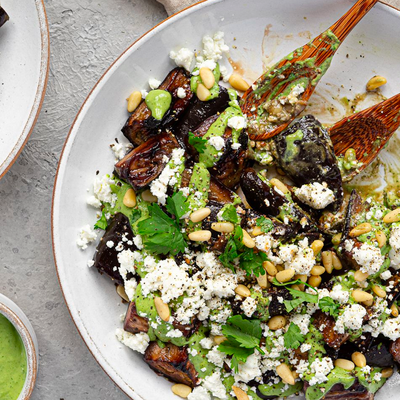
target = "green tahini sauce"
x: 158, y: 102
x: 12, y: 361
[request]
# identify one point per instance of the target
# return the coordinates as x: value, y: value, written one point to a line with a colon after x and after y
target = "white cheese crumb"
x: 137, y: 240
x: 394, y: 241
x: 315, y: 195
x: 86, y: 236
x: 217, y: 142
x: 237, y: 123
x: 90, y: 263
x: 183, y: 58
x: 249, y: 306
x: 305, y: 347
x: 391, y: 328
x: 299, y: 257
x: 216, y: 357
x: 351, y: 318
x: 214, y: 384
x: 137, y: 342
x: 144, y: 93
x: 110, y: 244
x: 236, y: 146
x: 199, y: 393
x: 302, y: 321
x: 154, y: 83
x: 340, y: 295
x: 321, y: 369
x: 250, y: 369
x: 175, y: 333
x: 93, y: 201
x: 369, y: 258
x: 386, y: 275
x: 206, y: 343
x: 181, y: 93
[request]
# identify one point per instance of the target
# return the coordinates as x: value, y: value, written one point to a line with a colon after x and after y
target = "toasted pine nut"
x: 207, y: 77
x: 200, y: 214
x: 129, y: 199
x: 248, y: 241
x: 262, y: 281
x: 279, y: 185
x: 296, y: 287
x: 285, y: 373
x: 327, y: 261
x: 360, y: 276
x: 336, y: 239
x: 121, y: 292
x: 270, y: 268
x: 314, y: 281
x: 380, y: 238
x: 344, y: 364
x: 394, y: 310
x: 242, y: 290
x: 133, y: 101
x: 302, y: 287
x: 257, y: 231
x: 359, y: 359
x: 361, y: 229
x: 336, y: 263
x: 379, y: 291
x: 200, y: 236
x: 223, y: 227
x: 202, y: 92
x: 219, y: 339
x: 238, y: 83
x: 239, y: 393
x: 303, y: 278
x: 162, y: 309
x: 317, y: 270
x: 285, y: 276
x: 375, y: 82
x: 360, y: 296
x: 277, y: 322
x: 368, y: 303
x: 148, y: 196
x: 387, y: 372
x: 181, y: 390
x: 317, y: 246
x: 393, y: 216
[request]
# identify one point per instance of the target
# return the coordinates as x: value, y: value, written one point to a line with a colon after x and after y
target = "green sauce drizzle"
x: 158, y: 102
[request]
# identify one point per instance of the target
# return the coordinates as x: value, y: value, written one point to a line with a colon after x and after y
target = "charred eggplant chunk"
x: 171, y: 361
x: 338, y: 392
x: 146, y: 162
x: 305, y: 152
x: 106, y: 258
x: 133, y: 322
x: 141, y: 125
x: 3, y: 16
x: 331, y: 337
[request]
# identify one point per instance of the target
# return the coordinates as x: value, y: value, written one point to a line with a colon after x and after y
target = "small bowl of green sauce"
x: 18, y: 353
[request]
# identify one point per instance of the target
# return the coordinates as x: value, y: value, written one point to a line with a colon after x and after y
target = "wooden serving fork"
x: 263, y: 102
x: 366, y: 132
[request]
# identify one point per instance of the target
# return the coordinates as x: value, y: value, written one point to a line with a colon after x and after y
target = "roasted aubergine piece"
x: 146, y: 162
x: 305, y: 153
x: 173, y: 362
x: 106, y: 258
x: 133, y: 322
x: 3, y: 16
x: 338, y: 392
x: 141, y: 125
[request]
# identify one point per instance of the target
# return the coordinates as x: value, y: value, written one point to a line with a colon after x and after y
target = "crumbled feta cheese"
x: 321, y: 369
x: 249, y: 306
x: 352, y: 318
x: 93, y: 201
x: 144, y: 93
x: 394, y: 241
x: 86, y: 236
x: 217, y: 142
x: 250, y: 369
x: 214, y: 384
x: 237, y: 123
x: 305, y: 347
x: 137, y: 342
x: 199, y: 393
x: 236, y: 146
x: 127, y: 259
x: 102, y: 190
x: 137, y: 240
x: 206, y: 343
x: 299, y: 257
x: 110, y: 244
x: 315, y: 195
x: 181, y: 93
x: 224, y: 73
x: 90, y: 263
x: 210, y: 64
x: 216, y: 357
x: 302, y: 321
x: 183, y: 58
x: 386, y: 275
x: 391, y: 328
x: 154, y: 83
x: 294, y: 94
x: 214, y: 47
x: 340, y: 295
x: 377, y: 377
x: 368, y: 257
x: 175, y: 333
x: 120, y: 150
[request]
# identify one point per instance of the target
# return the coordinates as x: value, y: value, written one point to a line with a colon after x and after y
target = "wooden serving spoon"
x: 304, y: 67
x: 366, y: 132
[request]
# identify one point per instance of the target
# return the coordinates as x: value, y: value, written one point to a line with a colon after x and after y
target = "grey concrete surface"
x: 86, y: 36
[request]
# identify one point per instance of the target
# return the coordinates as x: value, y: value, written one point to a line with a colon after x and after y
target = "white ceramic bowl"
x: 21, y: 323
x: 261, y: 31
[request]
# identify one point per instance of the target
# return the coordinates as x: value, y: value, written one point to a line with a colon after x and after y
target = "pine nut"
x: 200, y: 236
x: 199, y: 215
x: 133, y: 101
x: 121, y: 292
x: 207, y: 77
x: 314, y: 281
x: 238, y: 83
x: 303, y: 278
x: 327, y: 261
x: 257, y: 231
x: 223, y: 227
x: 279, y: 185
x: 296, y: 287
x: 387, y: 372
x: 336, y: 239
x: 248, y: 241
x: 368, y: 303
x: 148, y: 196
x: 360, y: 276
x: 239, y: 393
x: 359, y: 359
x: 219, y: 339
x: 285, y: 373
x: 202, y: 92
x: 336, y: 263
x: 375, y: 82
x: 277, y: 322
x: 302, y: 287
x: 181, y: 390
x: 285, y: 276
x: 380, y: 238
x: 361, y: 229
x: 394, y: 310
x: 317, y: 270
x: 379, y: 291
x: 242, y: 290
x: 129, y: 199
x: 360, y: 296
x: 393, y: 216
x: 270, y: 268
x: 344, y: 364
x: 162, y: 309
x: 317, y: 246
x: 262, y: 281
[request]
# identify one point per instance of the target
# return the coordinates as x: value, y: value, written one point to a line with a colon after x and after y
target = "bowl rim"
x: 27, y: 340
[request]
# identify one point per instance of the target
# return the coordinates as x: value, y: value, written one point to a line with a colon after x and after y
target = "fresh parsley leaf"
x: 177, y: 205
x: 102, y: 222
x: 232, y: 248
x: 327, y: 304
x: 265, y: 224
x: 293, y: 337
x: 197, y: 142
x: 252, y: 262
x: 230, y: 214
x: 232, y: 348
